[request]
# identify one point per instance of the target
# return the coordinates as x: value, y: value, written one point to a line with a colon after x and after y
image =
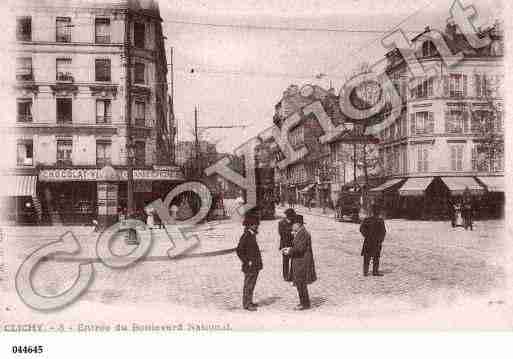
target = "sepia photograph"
x: 225, y: 166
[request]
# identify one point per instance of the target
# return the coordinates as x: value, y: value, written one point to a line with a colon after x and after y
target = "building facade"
x: 91, y: 101
x: 450, y: 135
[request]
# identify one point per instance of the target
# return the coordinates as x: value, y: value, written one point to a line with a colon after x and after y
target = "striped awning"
x: 458, y: 184
x: 493, y: 184
x: 415, y: 186
x: 386, y: 185
x: 14, y: 186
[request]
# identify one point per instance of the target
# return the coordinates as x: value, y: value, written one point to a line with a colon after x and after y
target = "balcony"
x: 102, y: 39
x: 103, y: 161
x: 25, y: 77
x: 24, y: 118
x: 103, y: 120
x: 64, y: 120
x: 64, y: 162
x: 66, y: 37
x: 65, y: 77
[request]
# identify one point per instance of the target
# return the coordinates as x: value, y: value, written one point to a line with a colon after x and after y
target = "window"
x: 139, y: 73
x: 102, y: 69
x: 103, y: 111
x: 64, y: 110
x: 482, y: 86
x: 24, y: 110
x: 457, y: 158
x: 422, y: 123
x: 25, y: 155
x: 424, y: 89
x: 139, y: 35
x: 455, y: 85
x: 456, y: 121
x: 103, y: 149
x: 102, y: 31
x: 64, y: 151
x: 140, y: 153
x: 24, y: 29
x: 140, y: 113
x: 63, y: 29
x: 296, y: 136
x: 422, y: 158
x: 428, y: 49
x: 24, y: 69
x: 64, y: 71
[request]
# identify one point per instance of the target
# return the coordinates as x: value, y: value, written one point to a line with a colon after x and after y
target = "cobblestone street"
x: 423, y: 263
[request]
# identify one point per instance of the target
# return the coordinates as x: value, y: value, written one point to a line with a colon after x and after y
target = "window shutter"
x: 447, y: 115
x: 412, y: 124
x: 419, y: 159
x: 477, y: 84
x: 446, y: 85
x: 426, y: 160
x: 430, y: 87
x: 464, y: 85
x: 499, y: 120
x: 453, y: 158
x: 474, y: 159
x: 465, y: 120
x: 459, y: 163
x: 430, y: 127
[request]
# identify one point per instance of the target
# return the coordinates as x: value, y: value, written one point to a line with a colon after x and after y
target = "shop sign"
x: 96, y: 174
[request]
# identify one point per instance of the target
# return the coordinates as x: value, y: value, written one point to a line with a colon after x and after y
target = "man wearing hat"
x: 285, y: 232
x: 249, y: 254
x: 373, y: 231
x: 302, y: 262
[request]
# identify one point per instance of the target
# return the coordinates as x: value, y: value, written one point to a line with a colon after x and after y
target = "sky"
x: 242, y: 67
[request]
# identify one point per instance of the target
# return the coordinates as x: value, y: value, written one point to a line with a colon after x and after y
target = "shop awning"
x: 386, y: 185
x: 13, y: 186
x: 493, y: 184
x: 415, y: 186
x: 308, y: 188
x: 458, y: 184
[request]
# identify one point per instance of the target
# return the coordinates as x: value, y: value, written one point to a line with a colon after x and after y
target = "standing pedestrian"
x: 467, y: 209
x: 249, y: 254
x: 285, y: 232
x: 373, y: 231
x: 302, y: 262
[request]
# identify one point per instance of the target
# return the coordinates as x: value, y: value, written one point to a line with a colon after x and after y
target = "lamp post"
x: 130, y: 175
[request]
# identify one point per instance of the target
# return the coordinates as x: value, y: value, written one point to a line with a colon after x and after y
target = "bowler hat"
x: 250, y: 220
x: 290, y: 213
x: 298, y: 219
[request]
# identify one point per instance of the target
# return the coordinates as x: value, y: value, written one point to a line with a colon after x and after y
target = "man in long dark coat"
x: 285, y: 232
x: 373, y: 231
x: 249, y: 254
x: 302, y: 262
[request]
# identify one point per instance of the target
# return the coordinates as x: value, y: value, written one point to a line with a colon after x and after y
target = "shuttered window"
x: 24, y: 28
x: 457, y: 157
x: 63, y: 29
x: 102, y: 31
x: 139, y: 73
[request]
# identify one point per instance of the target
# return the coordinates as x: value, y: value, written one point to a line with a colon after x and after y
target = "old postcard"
x: 191, y: 166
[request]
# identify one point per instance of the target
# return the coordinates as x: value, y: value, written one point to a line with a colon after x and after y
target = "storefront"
x: 79, y: 195
x: 387, y: 197
x: 431, y: 197
x: 18, y: 200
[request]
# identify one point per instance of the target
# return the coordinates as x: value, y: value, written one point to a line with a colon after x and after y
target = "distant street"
x: 422, y: 262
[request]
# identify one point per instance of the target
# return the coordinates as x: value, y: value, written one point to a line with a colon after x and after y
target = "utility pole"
x: 128, y: 109
x: 354, y: 163
x: 196, y: 142
x: 172, y: 124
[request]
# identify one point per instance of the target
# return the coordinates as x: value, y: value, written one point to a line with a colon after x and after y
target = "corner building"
x: 91, y: 103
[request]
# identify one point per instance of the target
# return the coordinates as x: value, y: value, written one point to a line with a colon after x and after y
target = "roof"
x: 150, y: 6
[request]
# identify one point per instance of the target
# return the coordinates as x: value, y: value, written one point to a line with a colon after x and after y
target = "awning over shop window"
x: 458, y: 184
x: 493, y: 184
x: 386, y: 185
x: 13, y: 186
x: 415, y: 186
x: 308, y: 188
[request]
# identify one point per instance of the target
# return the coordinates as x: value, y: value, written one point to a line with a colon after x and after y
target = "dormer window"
x: 429, y: 49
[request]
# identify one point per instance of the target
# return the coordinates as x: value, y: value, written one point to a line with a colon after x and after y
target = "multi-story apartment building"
x: 310, y: 177
x: 449, y: 136
x: 91, y: 97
